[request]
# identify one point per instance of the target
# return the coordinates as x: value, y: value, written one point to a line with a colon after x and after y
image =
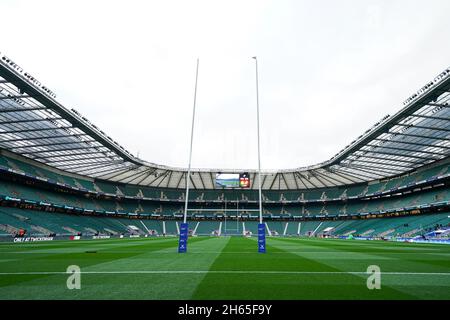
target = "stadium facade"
x: 61, y: 175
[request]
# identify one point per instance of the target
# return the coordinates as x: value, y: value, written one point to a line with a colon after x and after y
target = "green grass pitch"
x: 224, y: 268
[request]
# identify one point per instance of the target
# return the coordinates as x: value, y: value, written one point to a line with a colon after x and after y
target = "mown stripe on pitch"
x: 66, y: 259
x: 145, y: 287
x: 379, y: 249
x: 239, y: 283
x: 389, y: 290
x: 402, y: 261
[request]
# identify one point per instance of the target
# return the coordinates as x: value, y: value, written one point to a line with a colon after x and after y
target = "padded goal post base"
x: 182, y: 243
x: 261, y: 237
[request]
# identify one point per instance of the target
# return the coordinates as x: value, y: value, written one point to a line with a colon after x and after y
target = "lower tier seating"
x: 42, y: 223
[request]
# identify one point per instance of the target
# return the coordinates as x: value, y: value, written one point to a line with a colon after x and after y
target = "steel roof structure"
x: 35, y: 125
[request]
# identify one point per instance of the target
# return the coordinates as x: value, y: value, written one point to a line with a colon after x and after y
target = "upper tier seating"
x: 211, y: 195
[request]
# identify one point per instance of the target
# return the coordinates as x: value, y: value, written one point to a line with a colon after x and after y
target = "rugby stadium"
x: 70, y: 195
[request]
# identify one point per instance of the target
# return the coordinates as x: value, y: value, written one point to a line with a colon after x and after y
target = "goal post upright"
x: 261, y: 227
x: 184, y: 230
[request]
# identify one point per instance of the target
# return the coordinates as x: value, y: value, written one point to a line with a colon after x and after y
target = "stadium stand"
x: 61, y: 175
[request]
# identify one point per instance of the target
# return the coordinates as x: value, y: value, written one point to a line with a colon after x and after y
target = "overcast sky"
x: 328, y: 70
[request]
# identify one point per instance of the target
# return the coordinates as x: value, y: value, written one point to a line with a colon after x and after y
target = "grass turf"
x: 224, y: 268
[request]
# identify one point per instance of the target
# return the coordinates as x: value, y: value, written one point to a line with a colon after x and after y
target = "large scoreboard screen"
x: 233, y: 180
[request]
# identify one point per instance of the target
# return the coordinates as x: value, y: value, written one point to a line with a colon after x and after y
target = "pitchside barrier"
x: 37, y: 238
x: 400, y: 239
x: 249, y: 234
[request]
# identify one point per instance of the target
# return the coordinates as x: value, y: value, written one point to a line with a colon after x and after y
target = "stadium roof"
x: 34, y: 124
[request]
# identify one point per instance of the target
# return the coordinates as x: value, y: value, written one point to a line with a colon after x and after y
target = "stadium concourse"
x: 61, y: 176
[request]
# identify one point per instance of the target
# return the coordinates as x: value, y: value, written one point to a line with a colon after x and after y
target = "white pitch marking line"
x: 216, y: 252
x: 223, y: 272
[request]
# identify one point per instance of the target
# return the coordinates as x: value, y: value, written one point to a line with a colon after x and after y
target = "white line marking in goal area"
x: 223, y: 272
x: 100, y: 251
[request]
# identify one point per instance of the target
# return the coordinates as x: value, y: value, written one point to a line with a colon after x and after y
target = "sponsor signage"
x: 101, y: 237
x: 32, y: 239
